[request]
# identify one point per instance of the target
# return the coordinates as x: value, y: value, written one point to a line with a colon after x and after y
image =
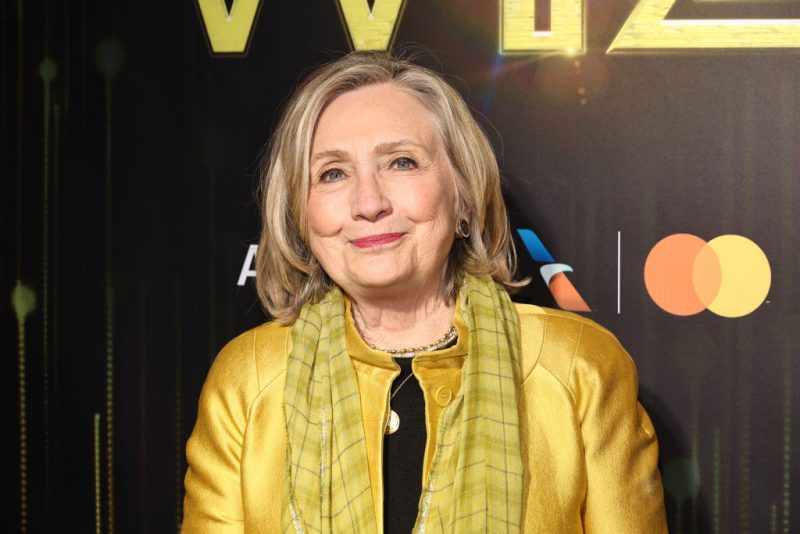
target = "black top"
x: 403, y: 453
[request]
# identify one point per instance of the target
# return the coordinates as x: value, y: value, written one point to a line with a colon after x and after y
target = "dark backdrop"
x: 129, y: 163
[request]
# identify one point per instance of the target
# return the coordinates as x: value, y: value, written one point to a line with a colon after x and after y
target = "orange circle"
x: 675, y: 267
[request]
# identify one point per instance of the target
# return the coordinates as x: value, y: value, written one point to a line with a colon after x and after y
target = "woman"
x: 399, y: 387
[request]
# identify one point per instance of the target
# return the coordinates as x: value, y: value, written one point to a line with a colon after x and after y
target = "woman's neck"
x: 403, y: 323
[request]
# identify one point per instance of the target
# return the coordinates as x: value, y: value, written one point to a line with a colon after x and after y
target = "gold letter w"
x: 370, y: 29
x: 228, y: 32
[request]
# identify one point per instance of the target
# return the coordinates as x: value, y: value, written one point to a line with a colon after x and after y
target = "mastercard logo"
x: 729, y: 275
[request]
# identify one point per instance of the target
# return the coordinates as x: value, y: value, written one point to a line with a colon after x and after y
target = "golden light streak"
x: 47, y: 72
x: 110, y: 58
x: 109, y: 298
x: 98, y: 508
x: 23, y: 299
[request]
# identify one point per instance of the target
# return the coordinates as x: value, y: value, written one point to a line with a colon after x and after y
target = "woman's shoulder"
x: 564, y: 343
x: 555, y: 323
x: 259, y: 353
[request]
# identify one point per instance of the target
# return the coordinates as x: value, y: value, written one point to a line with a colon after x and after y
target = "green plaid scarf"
x: 475, y: 479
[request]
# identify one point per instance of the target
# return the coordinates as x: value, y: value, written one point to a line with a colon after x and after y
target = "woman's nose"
x: 369, y: 199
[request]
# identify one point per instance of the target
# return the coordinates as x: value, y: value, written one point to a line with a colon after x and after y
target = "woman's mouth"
x: 377, y: 240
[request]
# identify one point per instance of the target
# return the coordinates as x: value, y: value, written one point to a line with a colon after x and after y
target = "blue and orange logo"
x: 564, y: 293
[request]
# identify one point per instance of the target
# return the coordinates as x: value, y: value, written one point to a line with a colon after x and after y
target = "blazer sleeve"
x: 213, y: 499
x: 624, y: 492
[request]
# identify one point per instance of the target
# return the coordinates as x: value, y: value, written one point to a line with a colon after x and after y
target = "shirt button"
x: 443, y: 396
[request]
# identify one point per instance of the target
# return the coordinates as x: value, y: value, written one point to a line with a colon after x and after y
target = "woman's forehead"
x: 377, y: 116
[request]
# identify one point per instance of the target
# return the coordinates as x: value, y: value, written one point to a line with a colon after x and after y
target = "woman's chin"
x: 381, y: 281
x: 387, y: 276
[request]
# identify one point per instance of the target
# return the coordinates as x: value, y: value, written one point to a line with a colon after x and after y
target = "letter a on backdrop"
x: 228, y: 31
x: 370, y: 29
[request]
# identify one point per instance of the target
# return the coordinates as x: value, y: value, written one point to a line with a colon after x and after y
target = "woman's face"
x: 382, y: 201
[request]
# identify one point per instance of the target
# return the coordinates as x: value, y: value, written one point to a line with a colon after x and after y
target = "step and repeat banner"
x: 650, y: 152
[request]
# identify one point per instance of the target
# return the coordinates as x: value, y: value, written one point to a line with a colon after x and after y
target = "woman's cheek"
x: 322, y: 216
x: 435, y: 205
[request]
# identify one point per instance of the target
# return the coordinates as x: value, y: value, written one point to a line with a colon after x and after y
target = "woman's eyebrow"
x: 391, y: 146
x: 382, y: 148
x: 332, y: 154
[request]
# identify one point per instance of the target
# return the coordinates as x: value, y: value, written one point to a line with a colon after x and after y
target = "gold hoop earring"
x: 462, y: 229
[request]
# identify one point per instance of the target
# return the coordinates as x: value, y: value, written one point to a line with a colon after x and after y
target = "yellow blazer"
x: 589, y: 449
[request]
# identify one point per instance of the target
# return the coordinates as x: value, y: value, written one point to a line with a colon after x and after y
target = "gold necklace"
x: 394, y: 420
x: 449, y: 336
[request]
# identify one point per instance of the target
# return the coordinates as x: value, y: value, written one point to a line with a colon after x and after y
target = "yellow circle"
x: 746, y: 276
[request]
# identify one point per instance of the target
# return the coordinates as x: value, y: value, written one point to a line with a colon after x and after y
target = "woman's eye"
x: 331, y: 175
x: 404, y: 163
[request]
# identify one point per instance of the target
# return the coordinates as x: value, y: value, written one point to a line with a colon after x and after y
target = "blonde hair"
x: 287, y: 273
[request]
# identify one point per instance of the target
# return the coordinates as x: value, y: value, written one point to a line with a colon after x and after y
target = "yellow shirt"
x: 588, y: 448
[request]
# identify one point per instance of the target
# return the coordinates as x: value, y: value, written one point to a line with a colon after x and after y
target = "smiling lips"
x: 377, y: 240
